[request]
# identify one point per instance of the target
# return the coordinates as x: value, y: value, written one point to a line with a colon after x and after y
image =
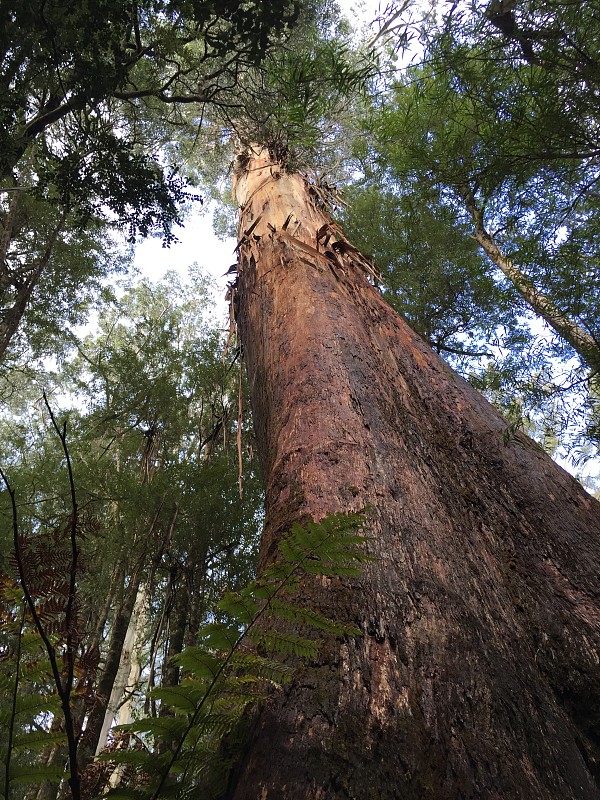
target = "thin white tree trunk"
x: 118, y: 713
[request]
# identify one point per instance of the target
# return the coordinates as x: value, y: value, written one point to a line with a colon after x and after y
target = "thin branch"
x: 136, y: 29
x: 69, y: 615
x: 138, y: 94
x: 459, y: 351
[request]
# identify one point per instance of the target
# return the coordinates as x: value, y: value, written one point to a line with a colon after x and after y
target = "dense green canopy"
x: 89, y: 95
x: 484, y: 151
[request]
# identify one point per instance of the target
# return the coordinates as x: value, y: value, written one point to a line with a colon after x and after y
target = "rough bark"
x: 478, y: 672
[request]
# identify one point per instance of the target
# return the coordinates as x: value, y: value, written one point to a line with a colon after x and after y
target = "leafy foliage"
x: 151, y: 439
x: 484, y: 137
x: 90, y: 94
x: 241, y: 657
x: 25, y: 678
x: 299, y: 102
x: 432, y: 272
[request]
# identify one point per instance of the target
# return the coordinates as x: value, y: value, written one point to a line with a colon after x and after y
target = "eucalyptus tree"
x: 463, y: 683
x: 492, y: 134
x: 472, y: 677
x: 542, y: 213
x: 430, y: 268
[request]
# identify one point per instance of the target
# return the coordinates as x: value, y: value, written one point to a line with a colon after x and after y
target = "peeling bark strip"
x: 478, y: 675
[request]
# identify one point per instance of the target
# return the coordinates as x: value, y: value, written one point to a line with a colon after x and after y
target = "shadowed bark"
x: 477, y: 675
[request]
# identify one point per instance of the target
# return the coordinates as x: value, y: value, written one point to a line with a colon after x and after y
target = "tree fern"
x: 243, y: 655
x: 26, y: 695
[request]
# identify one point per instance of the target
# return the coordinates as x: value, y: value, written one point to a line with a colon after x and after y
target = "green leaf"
x: 284, y: 609
x: 37, y: 740
x: 169, y: 728
x: 285, y: 643
x: 251, y: 664
x: 240, y: 606
x: 183, y: 698
x: 34, y: 773
x: 220, y: 636
x: 199, y: 662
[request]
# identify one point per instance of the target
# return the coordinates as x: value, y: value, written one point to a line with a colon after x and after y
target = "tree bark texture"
x: 478, y: 673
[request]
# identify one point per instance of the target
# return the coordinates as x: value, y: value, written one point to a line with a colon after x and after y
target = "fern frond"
x: 37, y: 740
x: 220, y: 636
x: 183, y: 698
x: 199, y: 662
x: 285, y: 643
x: 287, y: 610
x: 165, y: 728
x: 236, y: 663
x: 34, y: 773
x: 213, y: 727
x: 239, y: 606
x: 262, y: 668
x: 31, y: 705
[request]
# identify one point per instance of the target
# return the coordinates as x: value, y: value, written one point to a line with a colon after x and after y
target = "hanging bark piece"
x: 478, y: 673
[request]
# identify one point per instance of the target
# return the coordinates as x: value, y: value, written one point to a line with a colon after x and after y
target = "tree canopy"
x: 89, y: 95
x: 487, y: 136
x: 469, y: 178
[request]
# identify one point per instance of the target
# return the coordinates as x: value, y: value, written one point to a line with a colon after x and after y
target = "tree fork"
x: 477, y: 675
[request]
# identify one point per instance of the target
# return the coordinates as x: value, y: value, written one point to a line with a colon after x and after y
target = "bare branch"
x: 13, y: 710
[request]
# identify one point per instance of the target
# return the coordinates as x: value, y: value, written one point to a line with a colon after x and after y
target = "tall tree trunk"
x: 121, y: 622
x: 478, y: 672
x: 178, y: 623
x: 128, y: 672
